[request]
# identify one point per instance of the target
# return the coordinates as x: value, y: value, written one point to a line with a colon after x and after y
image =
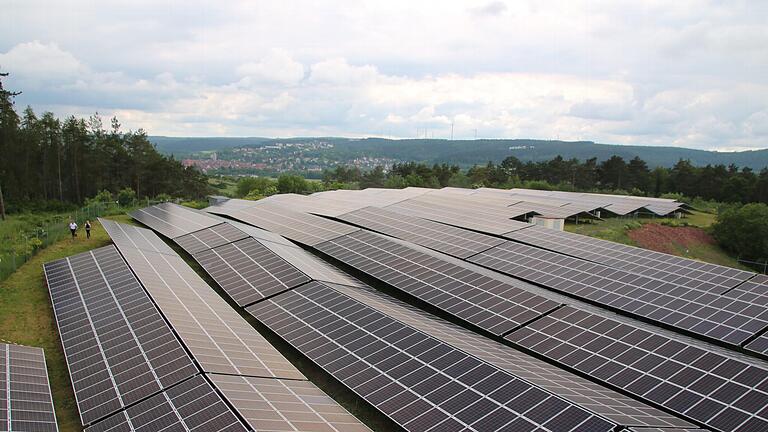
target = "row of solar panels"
x: 25, y: 395
x: 150, y: 346
x: 725, y: 405
x: 409, y: 365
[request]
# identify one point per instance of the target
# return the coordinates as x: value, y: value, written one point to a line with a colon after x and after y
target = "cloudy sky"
x: 681, y: 73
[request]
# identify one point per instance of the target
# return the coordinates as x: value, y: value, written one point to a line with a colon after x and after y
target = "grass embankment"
x: 26, y: 316
x: 686, y: 237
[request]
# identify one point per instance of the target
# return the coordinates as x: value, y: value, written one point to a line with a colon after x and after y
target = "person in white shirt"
x: 73, y: 228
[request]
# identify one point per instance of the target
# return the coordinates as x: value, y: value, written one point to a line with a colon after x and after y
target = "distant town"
x: 308, y: 157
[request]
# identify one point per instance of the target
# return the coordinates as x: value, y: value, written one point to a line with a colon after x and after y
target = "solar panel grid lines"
x: 726, y: 320
x: 642, y: 429
x: 135, y: 237
x: 26, y: 404
x: 463, y: 218
x: 686, y: 272
x: 219, y: 339
x: 599, y: 399
x: 209, y: 238
x: 419, y: 382
x: 173, y: 220
x: 488, y: 303
x: 300, y: 227
x: 118, y: 348
x: 311, y: 265
x: 192, y: 405
x: 447, y: 239
x: 285, y: 405
x: 248, y: 271
x: 719, y: 391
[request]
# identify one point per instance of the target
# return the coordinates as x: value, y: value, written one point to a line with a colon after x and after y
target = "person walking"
x: 87, y: 229
x: 73, y: 229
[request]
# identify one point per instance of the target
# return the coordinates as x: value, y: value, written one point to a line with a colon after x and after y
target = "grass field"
x: 619, y: 230
x: 26, y: 316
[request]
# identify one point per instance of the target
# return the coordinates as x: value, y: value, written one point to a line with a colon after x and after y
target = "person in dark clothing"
x: 87, y: 229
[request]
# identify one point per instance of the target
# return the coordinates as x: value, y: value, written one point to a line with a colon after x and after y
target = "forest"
x: 47, y: 161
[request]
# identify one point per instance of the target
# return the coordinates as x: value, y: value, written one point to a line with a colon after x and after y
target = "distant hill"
x: 470, y: 152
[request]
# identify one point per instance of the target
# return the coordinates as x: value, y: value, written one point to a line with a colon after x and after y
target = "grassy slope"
x: 26, y: 317
x: 616, y: 230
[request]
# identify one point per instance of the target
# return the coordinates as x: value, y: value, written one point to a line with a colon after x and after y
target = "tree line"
x: 46, y: 159
x: 614, y: 175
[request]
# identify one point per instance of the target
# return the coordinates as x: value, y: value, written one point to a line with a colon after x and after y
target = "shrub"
x: 126, y: 197
x: 744, y: 230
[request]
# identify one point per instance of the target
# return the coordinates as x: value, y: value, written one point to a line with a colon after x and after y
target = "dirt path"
x: 669, y: 239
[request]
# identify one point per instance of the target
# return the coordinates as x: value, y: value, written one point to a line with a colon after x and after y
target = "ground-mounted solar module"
x: 118, y: 348
x: 433, y: 235
x: 457, y: 217
x: 25, y: 394
x: 417, y: 381
x: 285, y: 405
x: 134, y: 237
x: 210, y: 238
x: 727, y: 320
x: 173, y: 220
x: 594, y: 397
x: 300, y: 227
x: 722, y: 392
x: 638, y: 429
x: 488, y: 303
x: 669, y: 268
x: 192, y: 405
x: 248, y: 271
x: 565, y: 212
x: 219, y: 339
x: 311, y: 265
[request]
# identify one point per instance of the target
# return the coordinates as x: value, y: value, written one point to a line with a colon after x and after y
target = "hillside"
x: 466, y: 153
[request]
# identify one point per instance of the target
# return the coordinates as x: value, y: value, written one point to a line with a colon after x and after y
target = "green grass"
x: 226, y: 186
x: 26, y: 316
x: 613, y: 229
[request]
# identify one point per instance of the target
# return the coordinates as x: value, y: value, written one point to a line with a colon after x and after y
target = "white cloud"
x: 688, y: 73
x: 277, y: 67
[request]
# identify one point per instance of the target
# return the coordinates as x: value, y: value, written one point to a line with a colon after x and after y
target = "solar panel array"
x: 25, y: 394
x: 168, y: 218
x: 248, y: 271
x: 209, y: 238
x: 601, y: 400
x: 720, y: 391
x: 118, y: 347
x: 190, y: 406
x: 728, y: 320
x: 669, y: 268
x: 481, y: 300
x: 447, y: 239
x: 416, y: 380
x: 285, y: 405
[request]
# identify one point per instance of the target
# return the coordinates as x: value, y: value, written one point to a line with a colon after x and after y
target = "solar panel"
x: 311, y: 265
x: 724, y: 393
x: 285, y: 405
x: 189, y: 406
x: 219, y: 339
x: 463, y: 218
x: 638, y: 429
x: 447, y: 239
x: 669, y: 268
x: 727, y: 320
x: 118, y: 348
x: 414, y: 379
x: 209, y: 238
x: 134, y: 237
x: 488, y: 303
x: 25, y: 395
x: 173, y: 220
x: 300, y: 227
x: 248, y: 271
x: 596, y: 398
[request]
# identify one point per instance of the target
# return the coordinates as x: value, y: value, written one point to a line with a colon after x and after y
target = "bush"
x: 101, y: 197
x: 291, y: 183
x: 163, y: 198
x: 744, y: 231
x: 263, y: 185
x: 126, y: 197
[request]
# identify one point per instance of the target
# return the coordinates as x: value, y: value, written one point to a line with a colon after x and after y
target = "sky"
x: 675, y: 73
